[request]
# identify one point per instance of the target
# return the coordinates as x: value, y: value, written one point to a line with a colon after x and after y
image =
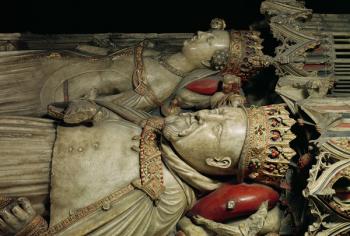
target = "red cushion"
x: 247, y: 199
x: 204, y: 86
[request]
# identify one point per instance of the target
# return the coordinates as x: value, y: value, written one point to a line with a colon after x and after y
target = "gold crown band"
x: 266, y: 153
x: 245, y: 54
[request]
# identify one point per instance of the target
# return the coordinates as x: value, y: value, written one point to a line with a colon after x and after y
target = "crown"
x: 245, y: 54
x: 244, y: 57
x: 266, y: 153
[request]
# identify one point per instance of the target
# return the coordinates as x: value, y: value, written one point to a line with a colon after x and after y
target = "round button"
x: 106, y: 206
x: 72, y: 212
x: 230, y: 205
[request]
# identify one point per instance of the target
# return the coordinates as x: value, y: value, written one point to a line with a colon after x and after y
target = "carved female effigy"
x: 154, y: 139
x: 139, y: 76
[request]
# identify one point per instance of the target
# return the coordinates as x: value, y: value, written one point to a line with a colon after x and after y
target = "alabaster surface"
x: 118, y: 135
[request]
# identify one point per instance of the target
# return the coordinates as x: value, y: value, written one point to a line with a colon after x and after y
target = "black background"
x: 128, y: 16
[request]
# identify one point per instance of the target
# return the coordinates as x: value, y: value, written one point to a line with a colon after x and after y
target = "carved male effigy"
x: 122, y: 178
x: 102, y: 165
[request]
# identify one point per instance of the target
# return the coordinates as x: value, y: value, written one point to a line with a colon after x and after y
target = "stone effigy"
x: 148, y: 180
x: 137, y: 76
x: 104, y: 166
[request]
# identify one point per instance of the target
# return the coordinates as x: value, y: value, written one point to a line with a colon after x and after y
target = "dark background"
x: 129, y: 16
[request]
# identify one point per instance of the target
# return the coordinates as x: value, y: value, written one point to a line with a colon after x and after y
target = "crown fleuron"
x: 244, y: 57
x: 218, y: 24
x: 266, y: 153
x: 245, y: 54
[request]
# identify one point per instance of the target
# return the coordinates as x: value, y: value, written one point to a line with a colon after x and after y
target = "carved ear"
x: 206, y: 63
x: 220, y: 162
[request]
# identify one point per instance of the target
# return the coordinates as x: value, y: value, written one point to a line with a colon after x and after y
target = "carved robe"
x: 30, y: 80
x: 88, y: 163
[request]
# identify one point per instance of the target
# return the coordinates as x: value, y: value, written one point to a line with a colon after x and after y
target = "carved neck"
x: 187, y: 173
x: 180, y: 62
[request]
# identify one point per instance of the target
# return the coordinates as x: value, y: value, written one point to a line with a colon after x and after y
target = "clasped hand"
x: 16, y: 216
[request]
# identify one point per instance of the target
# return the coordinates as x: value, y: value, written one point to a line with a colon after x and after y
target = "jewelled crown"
x: 266, y: 153
x: 244, y: 56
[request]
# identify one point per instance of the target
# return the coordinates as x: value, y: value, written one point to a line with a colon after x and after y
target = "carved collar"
x: 163, y: 61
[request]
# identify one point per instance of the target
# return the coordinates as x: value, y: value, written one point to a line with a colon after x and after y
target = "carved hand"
x: 16, y: 216
x: 230, y: 99
x: 218, y: 228
x: 248, y: 227
x: 80, y: 111
x: 171, y: 108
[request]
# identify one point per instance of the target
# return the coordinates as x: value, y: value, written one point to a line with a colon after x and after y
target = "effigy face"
x: 209, y: 140
x: 201, y: 47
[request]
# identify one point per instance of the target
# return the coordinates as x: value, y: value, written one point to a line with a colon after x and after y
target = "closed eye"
x: 218, y: 130
x: 210, y: 40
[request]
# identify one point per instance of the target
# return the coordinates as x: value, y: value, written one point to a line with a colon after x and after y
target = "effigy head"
x: 250, y: 143
x: 209, y: 140
x: 201, y: 47
x: 229, y: 51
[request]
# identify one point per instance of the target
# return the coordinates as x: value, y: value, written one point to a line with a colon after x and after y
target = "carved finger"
x: 20, y: 213
x: 9, y: 219
x: 26, y: 206
x: 218, y: 228
x: 199, y: 220
x: 4, y: 228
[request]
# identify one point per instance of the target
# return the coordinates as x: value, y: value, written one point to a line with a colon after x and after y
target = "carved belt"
x: 151, y: 181
x: 103, y: 203
x: 151, y: 171
x: 138, y: 78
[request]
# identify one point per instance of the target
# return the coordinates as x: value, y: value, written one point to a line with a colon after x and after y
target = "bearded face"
x: 209, y: 140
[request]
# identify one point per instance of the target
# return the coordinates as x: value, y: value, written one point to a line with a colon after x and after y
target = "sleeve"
x: 37, y: 227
